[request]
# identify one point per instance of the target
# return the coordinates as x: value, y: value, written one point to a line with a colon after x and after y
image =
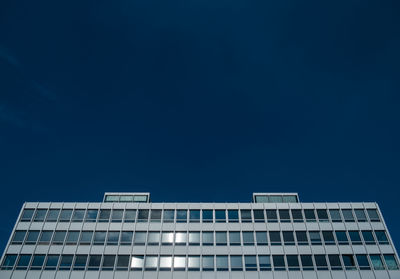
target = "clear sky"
x: 199, y: 100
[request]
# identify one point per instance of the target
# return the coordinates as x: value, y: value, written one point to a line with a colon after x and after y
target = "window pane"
x: 355, y: 237
x: 306, y: 262
x: 360, y: 214
x: 220, y: 216
x: 236, y: 263
x: 86, y: 237
x: 143, y: 215
x: 348, y: 215
x: 27, y: 215
x: 126, y: 238
x: 279, y: 262
x: 150, y: 262
x: 59, y: 237
x: 258, y: 215
x: 66, y: 262
x: 208, y: 263
x: 293, y: 262
x: 194, y: 215
x: 122, y: 262
x: 245, y: 215
x: 368, y: 237
x: 23, y: 261
x: 126, y: 198
x: 153, y: 238
x: 112, y: 238
x: 38, y: 261
x: 302, y: 238
x: 52, y: 262
x: 220, y: 238
x: 275, y: 238
x: 94, y: 262
x: 139, y: 238
x: 233, y: 215
x: 250, y: 262
x: 207, y: 215
x: 310, y: 215
x: 248, y: 238
x: 342, y: 237
x: 373, y: 215
x: 9, y: 262
x: 167, y: 238
x: 208, y: 238
x: 80, y: 262
x: 261, y: 238
x: 391, y: 262
x: 320, y: 261
x: 381, y: 237
x: 40, y: 215
x: 194, y: 238
x: 222, y: 262
x: 169, y: 215
x: 284, y: 215
x: 334, y: 261
x: 348, y: 261
x: 91, y: 215
x: 155, y: 215
x: 137, y: 262
x: 104, y: 215
x: 108, y: 262
x: 234, y: 238
x: 275, y: 199
x: 335, y: 215
x: 19, y: 237
x: 52, y: 215
x: 116, y: 215
x: 65, y: 215
x: 130, y: 215
x: 165, y: 262
x: 181, y: 216
x: 45, y: 237
x: 363, y: 262
x: 72, y: 237
x: 78, y: 215
x: 288, y: 237
x: 264, y: 262
x: 180, y: 238
x: 179, y: 263
x: 194, y: 262
x: 297, y: 215
x: 329, y: 239
x: 322, y: 215
x: 32, y: 237
x: 315, y: 238
x: 99, y: 238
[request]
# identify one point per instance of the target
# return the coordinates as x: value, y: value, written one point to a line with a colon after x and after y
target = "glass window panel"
x: 91, y: 215
x: 261, y: 199
x: 179, y: 263
x: 334, y: 261
x: 94, y: 262
x: 140, y: 198
x: 9, y: 261
x: 315, y: 238
x: 194, y: 238
x: 272, y: 216
x: 208, y: 263
x: 126, y: 237
x: 112, y: 198
x: 342, y: 238
x: 307, y: 262
x: 245, y: 214
x: 104, y: 215
x: 194, y: 262
x: 275, y: 199
x: 284, y: 215
x: 297, y: 215
x: 355, y: 237
x: 236, y: 263
x: 37, y: 262
x: 112, y: 238
x: 234, y: 238
x: 261, y: 238
x: 167, y: 238
x: 293, y: 262
x: 23, y: 261
x: 45, y: 237
x: 137, y: 262
x: 329, y: 239
x: 139, y: 238
x: 72, y: 237
x: 18, y: 237
x: 122, y: 262
x: 208, y: 238
x: 155, y: 215
x: 348, y: 261
x: 66, y: 262
x: 360, y: 215
x: 391, y: 262
x: 32, y: 237
x: 40, y: 215
x: 310, y: 215
x: 52, y: 215
x: 322, y: 215
x: 130, y: 215
x: 220, y: 238
x: 86, y: 238
x: 368, y: 237
x: 290, y: 199
x: 52, y: 262
x: 169, y: 215
x: 153, y: 238
x: 78, y: 215
x: 80, y: 262
x: 335, y: 215
x: 381, y: 237
x: 99, y: 238
x: 301, y: 237
x: 373, y: 215
x: 320, y: 262
x: 222, y: 262
x: 363, y: 262
x: 248, y: 238
x: 180, y: 238
x: 108, y: 262
x: 207, y: 215
x: 116, y: 215
x: 165, y: 262
x: 126, y: 198
x: 264, y: 262
x: 348, y: 215
x: 233, y: 215
x: 143, y: 215
x: 288, y: 237
x: 220, y: 216
x: 27, y: 215
x: 275, y: 238
x: 250, y: 262
x: 194, y: 215
x: 279, y: 262
x: 59, y: 237
x: 181, y: 216
x: 151, y: 262
x: 258, y: 215
x: 65, y: 215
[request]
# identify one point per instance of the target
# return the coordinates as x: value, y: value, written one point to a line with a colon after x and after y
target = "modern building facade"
x: 127, y: 236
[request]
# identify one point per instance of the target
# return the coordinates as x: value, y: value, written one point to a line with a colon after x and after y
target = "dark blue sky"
x: 199, y: 100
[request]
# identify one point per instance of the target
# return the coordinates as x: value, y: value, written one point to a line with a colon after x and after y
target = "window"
x: 153, y: 238
x: 250, y: 262
x: 169, y: 215
x: 72, y: 237
x: 293, y: 262
x: 108, y: 262
x: 355, y: 237
x: 126, y: 238
x: 139, y: 238
x: 342, y: 237
x: 167, y: 238
x: 104, y: 215
x: 334, y: 261
x: 180, y: 238
x: 363, y: 262
x: 348, y: 215
x: 37, y: 262
x: 59, y: 237
x: 194, y: 238
x: 94, y: 262
x: 137, y: 262
x: 288, y: 237
x: 264, y: 262
x: 112, y: 238
x: 18, y: 237
x: 194, y: 215
x: 222, y: 263
x: 150, y: 262
x: 248, y: 238
x: 390, y: 261
x: 65, y: 215
x: 45, y: 237
x: 275, y: 238
x: 52, y: 215
x: 112, y: 198
x: 165, y: 263
x: 329, y: 239
x: 233, y: 216
x: 348, y: 261
x: 143, y: 215
x: 381, y: 237
x: 52, y: 262
x: 220, y: 216
x: 373, y: 215
x: 306, y: 262
x: 27, y: 215
x: 99, y: 238
x: 258, y: 215
x: 140, y: 198
x: 208, y: 238
x: 297, y: 215
x: 275, y: 199
x: 335, y: 215
x: 91, y: 215
x: 236, y: 263
x: 220, y: 238
x: 130, y: 215
x: 40, y: 215
x: 368, y: 237
x: 122, y: 262
x: 245, y: 215
x: 376, y: 261
x: 86, y: 238
x: 78, y: 215
x: 181, y: 216
x: 207, y: 216
x: 310, y: 215
x: 284, y: 215
x: 322, y: 215
x: 116, y: 216
x: 32, y: 237
x: 179, y: 263
x: 66, y: 262
x: 279, y: 262
x: 80, y: 262
x: 320, y: 262
x: 315, y: 238
x: 360, y: 215
x: 9, y: 262
x: 301, y: 237
x: 234, y: 238
x: 126, y: 198
x: 208, y: 263
x: 272, y: 216
x: 23, y: 262
x: 261, y: 238
x: 194, y: 263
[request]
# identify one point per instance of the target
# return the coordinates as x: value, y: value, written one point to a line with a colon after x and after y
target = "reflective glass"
x: 234, y: 238
x: 80, y: 262
x: 181, y: 216
x: 52, y: 262
x: 258, y: 215
x: 104, y: 215
x: 297, y: 215
x: 363, y: 262
x: 153, y: 238
x: 72, y: 237
x: 137, y: 262
x: 167, y: 238
x: 66, y: 262
x: 341, y: 237
x: 348, y: 215
x: 208, y: 238
x: 381, y: 237
x: 307, y: 262
x: 40, y: 215
x: 245, y: 214
x: 250, y: 262
x: 108, y: 262
x: 284, y: 215
x: 220, y: 238
x: 261, y: 238
x: 194, y: 215
x: 122, y: 262
x: 208, y: 263
x: 310, y: 215
x: 150, y: 262
x: 45, y: 237
x: 32, y: 237
x: 248, y: 238
x: 165, y: 262
x: 112, y: 238
x: 65, y: 215
x: 179, y: 263
x: 37, y: 262
x: 368, y: 237
x: 355, y: 237
x: 94, y: 262
x: 373, y: 215
x: 27, y: 215
x: 194, y: 262
x: 348, y: 261
x: 360, y: 214
x: 194, y: 238
x: 264, y: 262
x: 116, y: 215
x: 236, y: 263
x: 9, y: 262
x: 59, y: 237
x: 23, y: 261
x: 78, y: 215
x: 222, y: 262
x: 334, y: 261
x: 52, y: 215
x: 275, y: 238
x: 272, y: 216
x: 143, y: 215
x: 180, y: 238
x: 279, y: 262
x: 86, y: 238
x: 233, y: 215
x: 320, y: 262
x: 169, y: 215
x: 139, y: 238
x: 335, y: 215
x: 130, y: 215
x: 126, y: 238
x: 391, y: 262
x: 207, y: 215
x: 293, y: 262
x: 19, y: 237
x: 322, y: 215
x: 220, y: 216
x: 315, y: 238
x: 155, y: 215
x: 288, y: 237
x: 329, y: 239
x: 91, y: 215
x: 302, y: 238
x: 99, y: 238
